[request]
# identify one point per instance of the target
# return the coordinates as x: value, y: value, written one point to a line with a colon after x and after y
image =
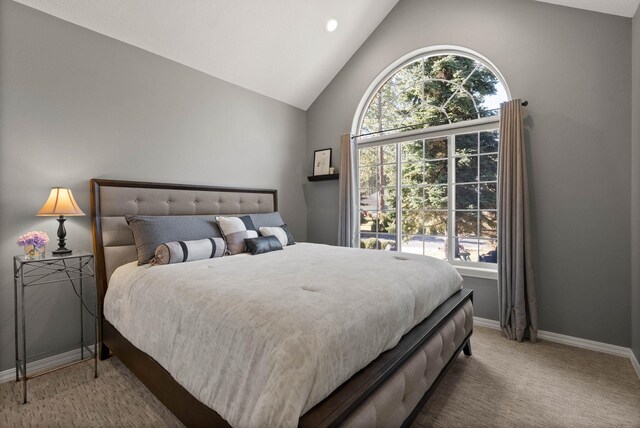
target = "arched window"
x: 427, y: 134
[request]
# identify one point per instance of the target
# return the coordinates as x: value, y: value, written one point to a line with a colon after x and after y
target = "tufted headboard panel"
x: 112, y: 200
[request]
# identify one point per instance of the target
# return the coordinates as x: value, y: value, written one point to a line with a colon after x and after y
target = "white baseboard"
x: 635, y: 364
x: 585, y: 344
x: 577, y: 342
x: 564, y: 339
x: 484, y: 322
x: 45, y: 364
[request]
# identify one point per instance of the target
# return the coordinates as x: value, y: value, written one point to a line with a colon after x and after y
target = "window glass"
x: 378, y: 193
x: 432, y: 194
x: 433, y: 90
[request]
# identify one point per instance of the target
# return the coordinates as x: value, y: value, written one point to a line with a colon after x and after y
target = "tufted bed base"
x: 400, y: 398
x: 389, y: 392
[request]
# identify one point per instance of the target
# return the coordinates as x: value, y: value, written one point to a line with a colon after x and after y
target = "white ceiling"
x: 278, y: 48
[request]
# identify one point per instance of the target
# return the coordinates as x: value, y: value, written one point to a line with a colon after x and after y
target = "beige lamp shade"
x: 60, y: 202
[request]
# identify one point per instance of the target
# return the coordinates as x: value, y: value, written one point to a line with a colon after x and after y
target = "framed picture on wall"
x: 321, y: 161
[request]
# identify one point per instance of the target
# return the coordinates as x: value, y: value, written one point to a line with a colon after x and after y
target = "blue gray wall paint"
x: 77, y: 105
x: 574, y: 67
x: 635, y: 190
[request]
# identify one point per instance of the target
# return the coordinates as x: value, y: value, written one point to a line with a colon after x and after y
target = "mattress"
x: 262, y: 339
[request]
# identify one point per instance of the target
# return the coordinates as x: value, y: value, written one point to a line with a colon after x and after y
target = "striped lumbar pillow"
x: 235, y: 231
x: 188, y: 251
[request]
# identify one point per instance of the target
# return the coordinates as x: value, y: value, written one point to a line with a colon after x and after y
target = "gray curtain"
x: 348, y: 205
x: 516, y: 289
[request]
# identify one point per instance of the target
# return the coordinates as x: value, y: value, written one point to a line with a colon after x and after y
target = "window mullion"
x: 451, y: 200
x: 478, y: 196
x: 398, y: 197
x: 357, y: 186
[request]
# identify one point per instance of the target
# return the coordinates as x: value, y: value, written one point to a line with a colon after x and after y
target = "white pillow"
x: 278, y: 232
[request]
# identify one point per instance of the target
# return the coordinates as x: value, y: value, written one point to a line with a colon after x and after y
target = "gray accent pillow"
x: 266, y: 220
x: 150, y: 231
x: 290, y: 240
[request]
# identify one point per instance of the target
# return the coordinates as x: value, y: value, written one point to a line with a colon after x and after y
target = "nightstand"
x: 71, y: 269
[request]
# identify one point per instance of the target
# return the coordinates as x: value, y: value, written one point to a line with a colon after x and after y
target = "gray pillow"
x: 266, y: 220
x: 150, y: 231
x: 290, y: 240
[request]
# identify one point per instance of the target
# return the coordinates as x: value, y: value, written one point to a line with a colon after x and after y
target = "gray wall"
x: 635, y: 190
x: 75, y: 105
x: 574, y: 68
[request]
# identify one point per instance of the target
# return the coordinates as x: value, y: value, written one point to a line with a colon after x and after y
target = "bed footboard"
x: 399, y: 400
x: 391, y: 391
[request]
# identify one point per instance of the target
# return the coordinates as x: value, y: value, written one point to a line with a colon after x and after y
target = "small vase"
x: 31, y: 252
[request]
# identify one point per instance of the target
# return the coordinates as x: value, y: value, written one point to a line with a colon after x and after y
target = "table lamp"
x: 60, y: 203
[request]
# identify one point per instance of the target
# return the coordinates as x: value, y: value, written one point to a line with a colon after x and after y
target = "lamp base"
x: 61, y: 252
x: 62, y: 234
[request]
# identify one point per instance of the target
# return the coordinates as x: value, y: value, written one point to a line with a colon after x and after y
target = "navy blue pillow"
x: 263, y: 244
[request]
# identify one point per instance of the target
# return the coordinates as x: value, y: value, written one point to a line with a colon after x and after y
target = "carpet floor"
x: 504, y: 384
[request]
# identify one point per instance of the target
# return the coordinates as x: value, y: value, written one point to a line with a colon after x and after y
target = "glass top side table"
x: 51, y: 269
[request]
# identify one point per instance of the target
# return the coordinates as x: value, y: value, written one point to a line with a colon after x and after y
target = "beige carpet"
x: 504, y: 384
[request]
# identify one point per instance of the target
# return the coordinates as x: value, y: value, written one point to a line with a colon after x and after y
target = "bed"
x: 387, y: 390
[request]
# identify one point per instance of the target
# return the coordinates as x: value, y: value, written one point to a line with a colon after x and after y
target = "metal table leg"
x: 24, y: 340
x: 15, y: 314
x: 81, y: 310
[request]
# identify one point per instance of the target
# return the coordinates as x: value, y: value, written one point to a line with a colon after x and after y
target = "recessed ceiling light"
x: 331, y: 26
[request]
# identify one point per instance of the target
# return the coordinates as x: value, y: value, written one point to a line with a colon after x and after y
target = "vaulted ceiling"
x: 278, y: 48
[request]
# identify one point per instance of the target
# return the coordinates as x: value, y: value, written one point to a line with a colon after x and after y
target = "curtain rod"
x: 523, y: 103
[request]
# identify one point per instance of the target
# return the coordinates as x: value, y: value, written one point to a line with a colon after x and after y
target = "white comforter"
x: 262, y: 339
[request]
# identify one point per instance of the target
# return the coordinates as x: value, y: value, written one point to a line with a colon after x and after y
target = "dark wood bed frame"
x: 328, y: 413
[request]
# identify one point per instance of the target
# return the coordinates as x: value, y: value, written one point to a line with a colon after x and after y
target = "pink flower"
x: 36, y: 238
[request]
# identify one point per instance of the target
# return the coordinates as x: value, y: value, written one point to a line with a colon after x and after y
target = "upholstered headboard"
x: 112, y: 200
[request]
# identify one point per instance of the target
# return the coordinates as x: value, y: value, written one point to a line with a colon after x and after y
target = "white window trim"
x: 469, y: 269
x: 475, y: 125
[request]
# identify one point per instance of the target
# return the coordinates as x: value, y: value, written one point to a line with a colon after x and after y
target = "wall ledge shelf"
x: 323, y: 177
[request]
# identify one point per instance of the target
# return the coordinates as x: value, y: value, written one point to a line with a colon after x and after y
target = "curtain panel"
x: 348, y: 221
x: 516, y: 288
